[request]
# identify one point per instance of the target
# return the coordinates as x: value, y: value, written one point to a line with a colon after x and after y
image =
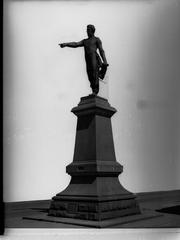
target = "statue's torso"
x: 90, y: 46
x: 91, y: 55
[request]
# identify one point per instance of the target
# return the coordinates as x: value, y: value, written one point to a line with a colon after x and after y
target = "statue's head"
x: 90, y: 30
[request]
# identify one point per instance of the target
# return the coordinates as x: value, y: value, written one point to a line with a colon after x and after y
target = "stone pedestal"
x: 94, y: 192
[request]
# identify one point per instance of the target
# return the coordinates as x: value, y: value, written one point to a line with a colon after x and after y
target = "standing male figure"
x: 96, y: 68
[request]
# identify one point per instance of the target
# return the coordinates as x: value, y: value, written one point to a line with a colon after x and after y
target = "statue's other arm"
x: 72, y: 44
x: 101, y: 51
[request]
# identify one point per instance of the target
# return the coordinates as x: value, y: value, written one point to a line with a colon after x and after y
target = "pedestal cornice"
x: 93, y: 104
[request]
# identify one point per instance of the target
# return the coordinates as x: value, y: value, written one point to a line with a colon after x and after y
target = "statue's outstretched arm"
x: 101, y: 51
x: 72, y: 44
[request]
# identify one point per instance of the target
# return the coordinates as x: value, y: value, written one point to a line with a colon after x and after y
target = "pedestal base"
x: 94, y: 198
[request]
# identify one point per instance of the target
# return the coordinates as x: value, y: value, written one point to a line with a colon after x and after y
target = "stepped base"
x: 116, y: 222
x: 95, y: 211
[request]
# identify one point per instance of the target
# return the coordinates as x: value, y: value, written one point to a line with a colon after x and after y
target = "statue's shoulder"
x: 98, y: 40
x: 85, y: 41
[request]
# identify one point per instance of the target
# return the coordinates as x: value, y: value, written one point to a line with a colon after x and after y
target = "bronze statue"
x: 96, y: 67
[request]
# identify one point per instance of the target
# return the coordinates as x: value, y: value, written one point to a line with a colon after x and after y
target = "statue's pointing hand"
x: 62, y: 45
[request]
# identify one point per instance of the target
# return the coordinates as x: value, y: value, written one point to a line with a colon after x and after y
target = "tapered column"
x: 94, y: 192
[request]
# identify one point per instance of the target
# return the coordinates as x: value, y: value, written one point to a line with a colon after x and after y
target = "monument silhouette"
x: 94, y: 196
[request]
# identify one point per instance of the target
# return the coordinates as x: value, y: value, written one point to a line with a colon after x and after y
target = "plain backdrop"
x: 42, y: 83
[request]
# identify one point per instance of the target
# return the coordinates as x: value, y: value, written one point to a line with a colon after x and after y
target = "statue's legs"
x: 92, y: 67
x: 94, y: 80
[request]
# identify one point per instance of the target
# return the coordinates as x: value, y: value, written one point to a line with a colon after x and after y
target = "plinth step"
x: 96, y: 224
